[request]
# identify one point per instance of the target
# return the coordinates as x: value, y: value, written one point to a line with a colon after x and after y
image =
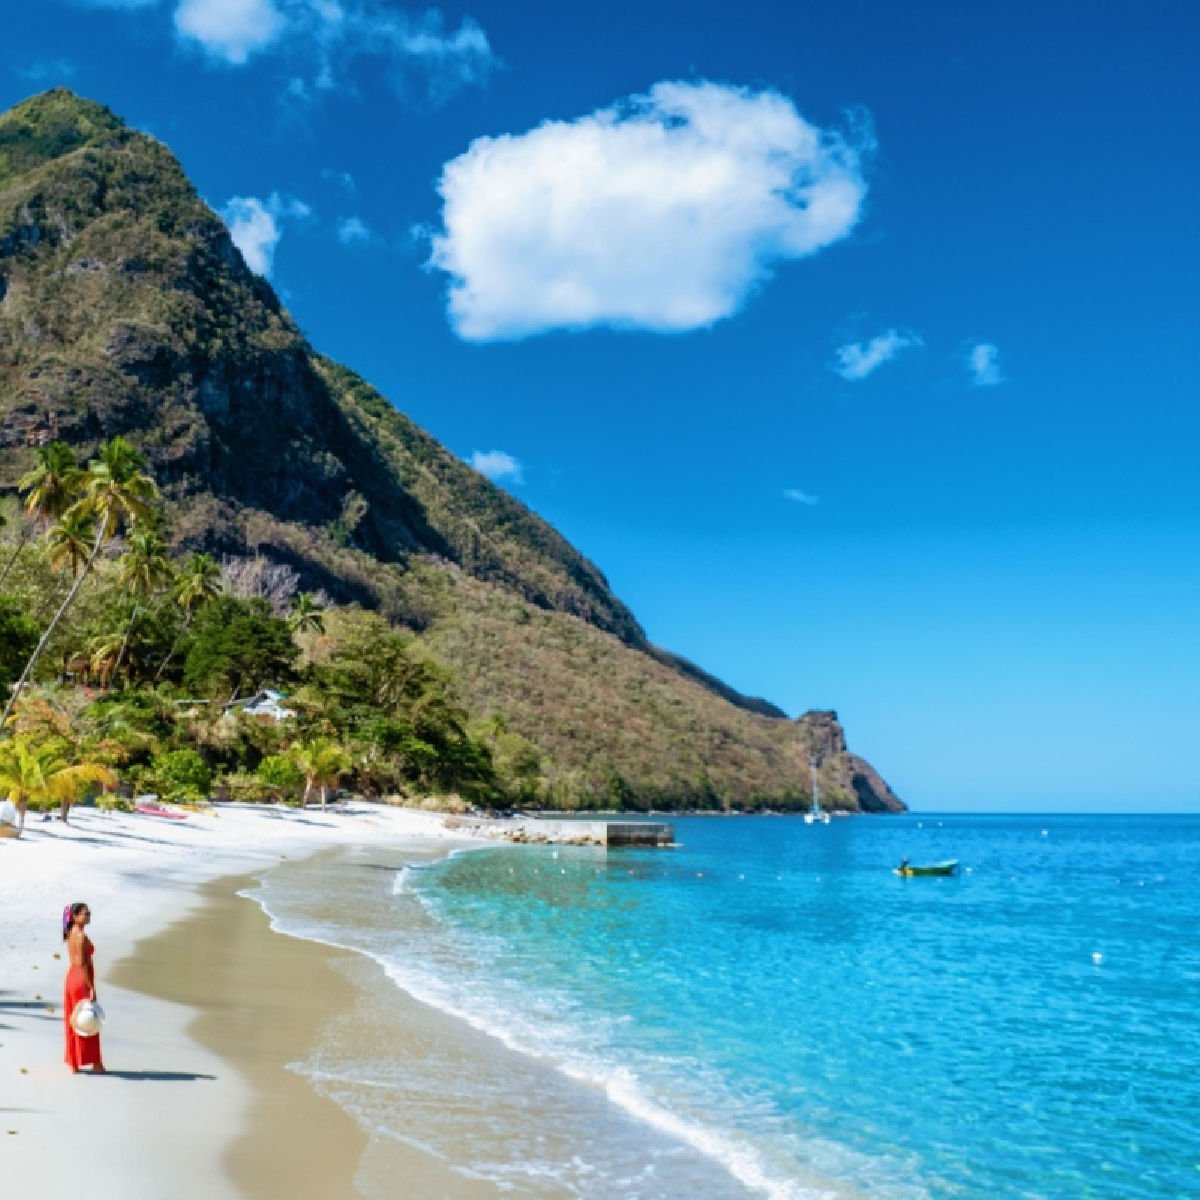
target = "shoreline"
x: 259, y: 1001
x: 163, y: 1120
x: 213, y: 1049
x: 423, y: 1072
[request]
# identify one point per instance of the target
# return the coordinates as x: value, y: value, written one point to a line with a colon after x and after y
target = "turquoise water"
x: 778, y: 990
x: 769, y: 1010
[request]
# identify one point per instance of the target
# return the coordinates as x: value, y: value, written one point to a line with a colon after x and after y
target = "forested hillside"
x: 127, y: 312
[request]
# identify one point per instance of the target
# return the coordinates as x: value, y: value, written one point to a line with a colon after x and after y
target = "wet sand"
x: 261, y: 999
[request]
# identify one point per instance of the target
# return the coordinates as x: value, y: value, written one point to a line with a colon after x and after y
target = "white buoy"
x: 1045, y: 833
x: 1097, y: 957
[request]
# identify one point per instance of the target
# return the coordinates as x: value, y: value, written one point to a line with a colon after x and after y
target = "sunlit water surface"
x: 768, y: 1010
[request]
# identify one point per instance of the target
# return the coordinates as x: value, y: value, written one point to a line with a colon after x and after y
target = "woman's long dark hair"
x: 69, y: 915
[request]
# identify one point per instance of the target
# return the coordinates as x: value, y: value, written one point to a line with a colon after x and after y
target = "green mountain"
x: 126, y: 309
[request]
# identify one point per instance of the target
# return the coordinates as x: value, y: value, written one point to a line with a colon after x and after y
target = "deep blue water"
x: 771, y: 994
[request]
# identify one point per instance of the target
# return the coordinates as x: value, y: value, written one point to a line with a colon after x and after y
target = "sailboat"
x: 815, y: 816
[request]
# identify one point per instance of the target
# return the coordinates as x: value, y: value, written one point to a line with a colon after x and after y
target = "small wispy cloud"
x: 257, y: 225
x: 117, y: 4
x: 796, y: 496
x: 44, y: 71
x: 983, y: 364
x: 497, y: 465
x: 230, y: 30
x: 352, y: 229
x: 856, y: 360
x: 341, y: 179
x: 320, y: 40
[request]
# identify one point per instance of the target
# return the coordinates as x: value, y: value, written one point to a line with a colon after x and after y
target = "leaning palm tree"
x: 47, y: 491
x: 118, y: 493
x: 143, y: 570
x: 39, y: 773
x: 198, y: 582
x: 323, y: 762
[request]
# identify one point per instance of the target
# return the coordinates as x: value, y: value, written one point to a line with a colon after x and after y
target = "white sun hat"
x: 87, y: 1018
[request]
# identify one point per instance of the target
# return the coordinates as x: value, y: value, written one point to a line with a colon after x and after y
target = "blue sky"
x: 857, y: 343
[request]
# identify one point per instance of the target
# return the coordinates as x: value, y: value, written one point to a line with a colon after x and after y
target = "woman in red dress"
x: 80, y: 985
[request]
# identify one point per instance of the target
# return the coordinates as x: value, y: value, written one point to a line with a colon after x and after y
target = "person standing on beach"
x: 80, y: 984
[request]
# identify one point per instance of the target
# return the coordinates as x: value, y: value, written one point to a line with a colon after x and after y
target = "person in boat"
x: 903, y: 865
x: 80, y: 984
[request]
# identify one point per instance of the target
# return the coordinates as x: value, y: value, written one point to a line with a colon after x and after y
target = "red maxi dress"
x: 81, y: 1051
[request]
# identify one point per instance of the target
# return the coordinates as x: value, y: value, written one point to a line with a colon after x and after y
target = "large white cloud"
x: 660, y: 213
x: 857, y: 360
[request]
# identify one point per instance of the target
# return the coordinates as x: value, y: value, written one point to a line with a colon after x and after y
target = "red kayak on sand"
x: 147, y: 811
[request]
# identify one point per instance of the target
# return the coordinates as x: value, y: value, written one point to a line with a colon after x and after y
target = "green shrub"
x: 113, y: 802
x: 280, y: 773
x: 250, y: 789
x: 181, y: 775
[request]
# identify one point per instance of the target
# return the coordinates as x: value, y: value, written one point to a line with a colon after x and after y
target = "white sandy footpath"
x: 141, y: 1135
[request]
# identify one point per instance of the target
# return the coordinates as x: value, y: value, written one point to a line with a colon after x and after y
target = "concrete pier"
x: 596, y: 833
x: 638, y: 833
x: 569, y: 833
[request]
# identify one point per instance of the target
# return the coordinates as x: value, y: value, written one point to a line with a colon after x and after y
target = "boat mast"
x: 812, y: 766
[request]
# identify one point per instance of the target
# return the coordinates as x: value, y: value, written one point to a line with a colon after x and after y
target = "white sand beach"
x: 163, y: 1122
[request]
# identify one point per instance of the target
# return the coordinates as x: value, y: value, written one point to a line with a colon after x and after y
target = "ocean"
x: 768, y: 1010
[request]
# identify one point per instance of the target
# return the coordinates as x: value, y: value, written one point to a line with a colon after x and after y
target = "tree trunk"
x: 125, y: 640
x: 22, y: 804
x: 12, y: 562
x: 62, y: 608
x: 324, y: 795
x: 174, y: 646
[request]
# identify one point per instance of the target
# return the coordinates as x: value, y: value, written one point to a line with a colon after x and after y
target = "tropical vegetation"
x: 144, y: 664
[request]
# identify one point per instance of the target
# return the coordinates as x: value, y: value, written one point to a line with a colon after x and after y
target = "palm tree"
x: 29, y: 771
x: 197, y: 582
x: 323, y: 762
x: 307, y: 614
x: 105, y: 656
x: 117, y: 493
x: 143, y: 569
x: 70, y: 541
x: 48, y: 490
